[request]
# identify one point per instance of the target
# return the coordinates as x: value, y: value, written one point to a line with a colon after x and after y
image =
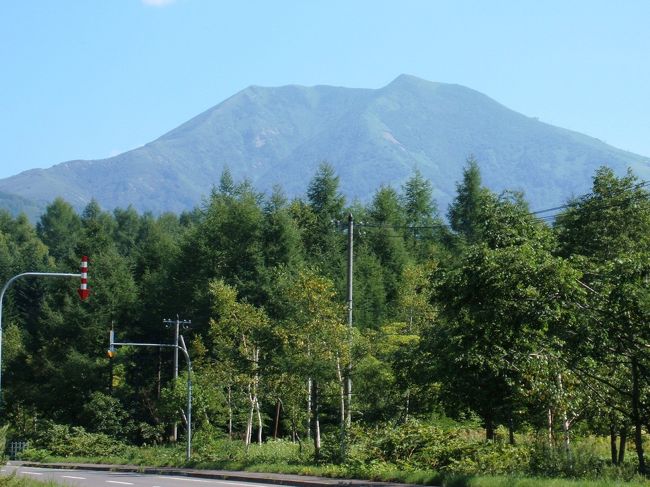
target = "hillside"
x: 372, y: 137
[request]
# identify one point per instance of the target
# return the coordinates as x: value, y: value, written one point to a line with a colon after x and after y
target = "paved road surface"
x: 89, y: 478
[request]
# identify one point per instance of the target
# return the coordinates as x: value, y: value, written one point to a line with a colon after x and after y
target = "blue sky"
x: 88, y: 79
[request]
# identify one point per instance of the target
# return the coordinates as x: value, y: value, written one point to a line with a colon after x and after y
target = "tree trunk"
x: 622, y: 445
x: 565, y: 418
x: 343, y: 434
x: 277, y: 420
x: 256, y: 401
x: 259, y: 422
x: 315, y: 420
x: 549, y: 427
x: 341, y: 378
x: 489, y: 427
x: 612, y: 444
x: 511, y: 432
x: 230, y: 411
x: 249, y: 423
x: 310, y: 386
x: 636, y: 416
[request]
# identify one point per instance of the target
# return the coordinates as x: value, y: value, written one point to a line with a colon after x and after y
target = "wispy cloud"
x: 158, y: 3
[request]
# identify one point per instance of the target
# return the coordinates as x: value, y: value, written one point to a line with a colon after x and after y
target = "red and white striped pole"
x: 83, y: 289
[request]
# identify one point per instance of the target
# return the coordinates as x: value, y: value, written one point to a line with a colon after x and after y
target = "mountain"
x: 371, y: 137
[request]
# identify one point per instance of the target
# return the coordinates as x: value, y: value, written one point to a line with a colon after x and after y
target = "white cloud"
x: 157, y: 3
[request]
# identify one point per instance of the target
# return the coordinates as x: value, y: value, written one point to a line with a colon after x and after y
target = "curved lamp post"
x: 183, y: 349
x: 37, y: 274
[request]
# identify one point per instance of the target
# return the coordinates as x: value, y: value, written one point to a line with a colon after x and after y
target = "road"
x: 89, y: 478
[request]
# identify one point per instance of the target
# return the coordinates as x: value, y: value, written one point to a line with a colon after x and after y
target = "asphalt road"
x: 90, y: 478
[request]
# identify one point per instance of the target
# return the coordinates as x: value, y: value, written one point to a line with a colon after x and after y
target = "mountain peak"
x: 410, y: 80
x: 371, y: 137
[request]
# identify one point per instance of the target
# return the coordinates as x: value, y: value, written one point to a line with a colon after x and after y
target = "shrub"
x: 69, y: 441
x: 417, y: 446
x: 3, y: 441
x: 105, y: 414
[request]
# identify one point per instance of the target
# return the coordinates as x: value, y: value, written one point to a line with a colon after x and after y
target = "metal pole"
x: 189, y: 398
x: 183, y: 349
x: 2, y: 295
x: 348, y: 412
x: 177, y: 325
x: 175, y: 427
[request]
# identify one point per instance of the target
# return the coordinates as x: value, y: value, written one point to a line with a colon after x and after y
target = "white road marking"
x: 247, y: 484
x: 73, y: 477
x: 33, y: 473
x: 116, y: 482
x: 212, y: 481
x: 184, y: 478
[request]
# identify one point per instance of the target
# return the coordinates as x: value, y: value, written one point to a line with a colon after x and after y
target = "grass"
x: 14, y: 481
x: 538, y: 482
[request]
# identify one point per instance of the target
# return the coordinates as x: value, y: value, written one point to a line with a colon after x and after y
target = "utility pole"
x: 178, y: 322
x: 348, y: 411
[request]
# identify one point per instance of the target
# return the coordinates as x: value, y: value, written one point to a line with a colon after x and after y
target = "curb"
x: 268, y: 478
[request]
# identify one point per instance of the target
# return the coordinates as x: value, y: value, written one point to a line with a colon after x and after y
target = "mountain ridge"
x: 370, y: 136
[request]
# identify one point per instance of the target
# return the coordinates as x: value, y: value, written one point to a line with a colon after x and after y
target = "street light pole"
x: 178, y: 322
x: 183, y: 349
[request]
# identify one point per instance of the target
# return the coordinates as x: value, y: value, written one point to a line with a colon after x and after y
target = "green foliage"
x: 105, y: 414
x: 584, y: 462
x: 4, y: 433
x: 419, y: 446
x: 15, y: 481
x: 66, y: 441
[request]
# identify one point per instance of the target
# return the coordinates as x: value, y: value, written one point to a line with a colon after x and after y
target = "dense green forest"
x: 486, y: 313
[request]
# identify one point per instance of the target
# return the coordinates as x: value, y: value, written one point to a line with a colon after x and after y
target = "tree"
x: 60, y: 229
x: 314, y: 340
x: 465, y: 212
x: 280, y: 235
x: 243, y: 329
x: 607, y: 234
x: 386, y: 241
x: 425, y: 230
x: 323, y: 244
x: 499, y: 307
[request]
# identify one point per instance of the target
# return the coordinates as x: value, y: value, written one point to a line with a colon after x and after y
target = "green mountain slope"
x: 372, y: 137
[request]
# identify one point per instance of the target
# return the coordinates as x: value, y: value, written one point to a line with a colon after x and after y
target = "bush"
x: 3, y: 441
x: 416, y: 446
x: 219, y: 450
x: 66, y: 441
x: 105, y: 414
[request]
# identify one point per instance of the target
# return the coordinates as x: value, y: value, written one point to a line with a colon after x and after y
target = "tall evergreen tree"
x: 465, y: 212
x: 60, y: 229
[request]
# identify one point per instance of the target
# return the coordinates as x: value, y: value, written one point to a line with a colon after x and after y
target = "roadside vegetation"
x: 498, y: 346
x: 433, y: 453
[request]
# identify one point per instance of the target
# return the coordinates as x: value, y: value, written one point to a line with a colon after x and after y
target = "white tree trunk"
x: 309, y: 385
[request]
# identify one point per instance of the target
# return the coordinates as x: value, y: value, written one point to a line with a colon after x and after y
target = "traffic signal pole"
x: 83, y: 294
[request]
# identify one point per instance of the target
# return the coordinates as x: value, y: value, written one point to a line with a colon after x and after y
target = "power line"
x: 583, y: 197
x: 544, y: 218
